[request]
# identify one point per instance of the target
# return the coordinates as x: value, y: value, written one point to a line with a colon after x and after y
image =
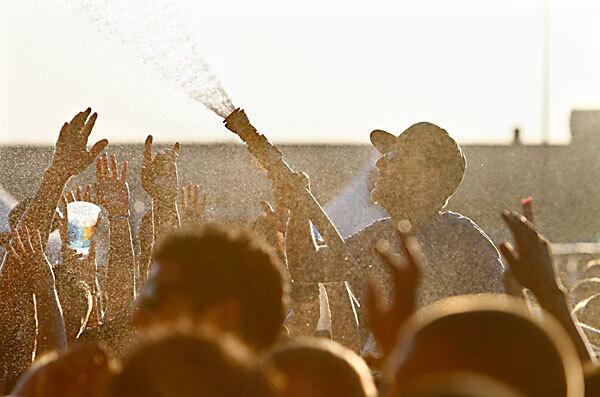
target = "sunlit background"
x: 313, y: 71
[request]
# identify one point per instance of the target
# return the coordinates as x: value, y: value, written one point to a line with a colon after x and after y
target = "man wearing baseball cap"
x: 418, y: 172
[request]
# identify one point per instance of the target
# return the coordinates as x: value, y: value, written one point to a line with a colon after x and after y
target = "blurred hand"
x: 531, y: 263
x: 385, y: 323
x: 192, y: 205
x: 70, y: 153
x: 159, y: 171
x: 112, y: 190
x: 510, y: 282
x: 27, y: 248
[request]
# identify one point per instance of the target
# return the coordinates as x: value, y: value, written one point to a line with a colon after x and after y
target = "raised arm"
x: 28, y: 250
x: 307, y: 261
x: 146, y: 239
x: 192, y: 205
x: 532, y: 265
x: 16, y: 302
x: 112, y: 193
x: 83, y: 267
x: 385, y: 322
x: 160, y: 181
x: 70, y: 158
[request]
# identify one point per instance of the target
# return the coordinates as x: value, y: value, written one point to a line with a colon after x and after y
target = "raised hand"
x: 527, y: 209
x: 27, y: 248
x: 111, y: 188
x: 79, y: 194
x: 192, y: 205
x: 385, y: 322
x: 531, y: 263
x: 70, y: 154
x: 159, y: 171
x: 510, y: 282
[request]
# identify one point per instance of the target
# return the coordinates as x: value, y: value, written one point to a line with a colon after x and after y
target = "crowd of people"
x: 417, y: 304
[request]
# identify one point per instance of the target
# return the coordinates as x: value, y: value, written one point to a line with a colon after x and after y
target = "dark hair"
x: 330, y: 368
x: 182, y: 364
x: 219, y: 263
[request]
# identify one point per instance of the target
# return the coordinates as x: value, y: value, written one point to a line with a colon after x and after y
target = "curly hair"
x: 220, y: 263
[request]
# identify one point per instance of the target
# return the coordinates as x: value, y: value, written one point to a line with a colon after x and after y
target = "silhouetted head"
x: 418, y: 172
x: 82, y: 371
x: 227, y: 279
x: 592, y: 380
x: 459, y: 384
x: 75, y: 298
x: 181, y: 365
x: 490, y: 335
x: 322, y: 368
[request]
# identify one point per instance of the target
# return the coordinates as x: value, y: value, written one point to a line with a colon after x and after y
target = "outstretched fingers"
x: 508, y: 252
x: 113, y: 167
x: 148, y: 150
x: 123, y: 176
x: 89, y: 125
x: 96, y: 149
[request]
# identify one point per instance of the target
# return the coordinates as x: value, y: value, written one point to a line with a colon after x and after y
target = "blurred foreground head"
x: 322, y: 368
x: 82, y: 371
x: 225, y: 279
x: 418, y: 171
x: 182, y: 365
x: 459, y: 384
x: 489, y: 335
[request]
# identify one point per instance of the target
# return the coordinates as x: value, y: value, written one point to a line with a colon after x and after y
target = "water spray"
x: 155, y: 33
x: 271, y: 159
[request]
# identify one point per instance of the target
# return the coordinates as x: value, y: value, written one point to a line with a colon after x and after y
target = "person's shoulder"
x: 465, y: 230
x: 379, y: 227
x: 456, y: 220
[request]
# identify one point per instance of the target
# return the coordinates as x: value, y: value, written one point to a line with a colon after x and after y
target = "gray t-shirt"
x: 460, y: 258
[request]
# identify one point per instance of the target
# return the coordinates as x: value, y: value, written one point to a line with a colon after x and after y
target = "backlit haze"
x: 310, y: 71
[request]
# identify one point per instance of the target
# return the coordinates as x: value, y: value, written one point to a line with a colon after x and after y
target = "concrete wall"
x: 562, y: 179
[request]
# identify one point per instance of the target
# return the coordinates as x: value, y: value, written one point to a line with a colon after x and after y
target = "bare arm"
x: 307, y: 261
x: 192, y: 204
x: 146, y: 238
x: 112, y: 193
x: 29, y: 251
x: 159, y: 180
x: 70, y: 157
x: 532, y: 265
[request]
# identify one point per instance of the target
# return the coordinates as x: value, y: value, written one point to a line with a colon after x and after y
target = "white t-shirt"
x: 460, y: 258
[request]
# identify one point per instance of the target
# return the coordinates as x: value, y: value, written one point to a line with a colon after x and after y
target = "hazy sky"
x: 309, y: 70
